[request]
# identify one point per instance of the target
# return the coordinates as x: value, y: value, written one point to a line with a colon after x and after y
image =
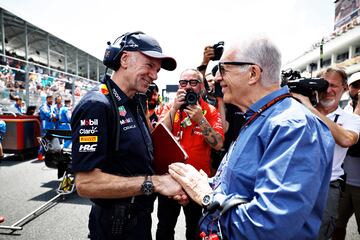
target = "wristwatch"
x: 147, y: 188
x: 207, y: 201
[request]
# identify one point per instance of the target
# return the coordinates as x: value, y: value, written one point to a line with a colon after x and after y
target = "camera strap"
x: 265, y: 107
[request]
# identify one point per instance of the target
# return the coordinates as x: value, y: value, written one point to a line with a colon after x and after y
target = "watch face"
x: 206, y: 200
x: 147, y: 188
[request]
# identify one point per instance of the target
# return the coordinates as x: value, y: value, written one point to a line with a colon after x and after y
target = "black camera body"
x: 191, y: 98
x: 309, y: 87
x: 218, y: 50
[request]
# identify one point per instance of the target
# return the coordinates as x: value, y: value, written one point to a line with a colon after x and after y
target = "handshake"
x: 183, y: 182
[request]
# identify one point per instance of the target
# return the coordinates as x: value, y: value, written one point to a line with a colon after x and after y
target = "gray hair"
x: 338, y: 70
x: 200, y: 76
x: 263, y: 52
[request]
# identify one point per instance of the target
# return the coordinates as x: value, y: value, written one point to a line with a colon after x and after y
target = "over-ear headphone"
x: 113, y: 51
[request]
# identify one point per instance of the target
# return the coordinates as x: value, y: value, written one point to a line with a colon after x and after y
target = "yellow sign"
x: 89, y: 139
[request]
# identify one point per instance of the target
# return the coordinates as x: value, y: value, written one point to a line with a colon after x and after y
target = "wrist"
x: 202, y: 121
x: 157, y: 182
x: 202, y: 67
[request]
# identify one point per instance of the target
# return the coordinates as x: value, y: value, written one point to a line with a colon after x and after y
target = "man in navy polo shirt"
x: 112, y: 150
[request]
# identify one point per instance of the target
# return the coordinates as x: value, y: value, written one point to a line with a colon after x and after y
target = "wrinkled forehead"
x: 231, y: 54
x: 189, y: 74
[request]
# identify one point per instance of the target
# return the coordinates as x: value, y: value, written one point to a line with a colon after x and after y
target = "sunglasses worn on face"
x: 222, y: 69
x: 193, y: 82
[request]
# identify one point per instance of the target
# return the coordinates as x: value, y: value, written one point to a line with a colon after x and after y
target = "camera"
x: 218, y: 50
x: 191, y: 98
x: 309, y: 87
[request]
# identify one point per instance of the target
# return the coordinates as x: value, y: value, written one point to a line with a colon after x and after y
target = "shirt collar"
x: 338, y: 111
x: 257, y: 105
x: 119, y: 96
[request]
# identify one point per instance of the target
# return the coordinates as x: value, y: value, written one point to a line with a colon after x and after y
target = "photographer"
x: 350, y: 202
x: 345, y: 128
x: 198, y: 127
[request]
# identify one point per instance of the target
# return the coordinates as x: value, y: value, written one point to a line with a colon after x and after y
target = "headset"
x: 112, y: 60
x: 113, y: 52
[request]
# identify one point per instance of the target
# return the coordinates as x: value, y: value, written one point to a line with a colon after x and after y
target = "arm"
x: 343, y: 137
x: 207, y: 55
x: 212, y: 137
x: 97, y: 184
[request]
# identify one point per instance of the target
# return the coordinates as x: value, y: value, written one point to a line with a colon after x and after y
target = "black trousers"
x: 168, y: 212
x: 101, y: 225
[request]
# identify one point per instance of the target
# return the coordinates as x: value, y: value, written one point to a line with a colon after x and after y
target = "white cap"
x: 355, y: 77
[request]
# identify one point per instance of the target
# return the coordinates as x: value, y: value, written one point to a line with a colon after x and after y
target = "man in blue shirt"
x: 65, y: 119
x: 272, y: 184
x: 17, y: 105
x: 47, y: 115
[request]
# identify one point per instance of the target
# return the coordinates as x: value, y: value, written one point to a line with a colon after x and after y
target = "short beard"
x: 327, y: 103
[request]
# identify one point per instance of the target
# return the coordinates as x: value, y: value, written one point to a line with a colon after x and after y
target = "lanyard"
x: 263, y: 108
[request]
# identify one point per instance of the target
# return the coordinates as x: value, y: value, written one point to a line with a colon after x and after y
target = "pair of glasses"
x: 222, y: 69
x: 193, y: 82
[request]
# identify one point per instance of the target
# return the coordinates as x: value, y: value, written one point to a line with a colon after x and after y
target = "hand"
x: 182, y: 199
x: 194, y: 112
x: 303, y: 99
x: 194, y: 182
x: 179, y: 99
x: 208, y: 54
x: 167, y: 186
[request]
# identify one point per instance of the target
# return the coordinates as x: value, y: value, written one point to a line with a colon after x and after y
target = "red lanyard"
x: 266, y: 106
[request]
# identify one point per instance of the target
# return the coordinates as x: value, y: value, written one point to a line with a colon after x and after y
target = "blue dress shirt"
x: 281, y: 163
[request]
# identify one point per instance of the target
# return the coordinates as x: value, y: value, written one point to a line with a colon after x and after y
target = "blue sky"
x: 184, y: 27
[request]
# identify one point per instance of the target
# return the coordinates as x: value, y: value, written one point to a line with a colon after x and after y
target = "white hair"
x: 261, y: 51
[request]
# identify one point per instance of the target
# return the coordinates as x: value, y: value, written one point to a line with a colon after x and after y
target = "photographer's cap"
x: 355, y: 77
x: 150, y: 47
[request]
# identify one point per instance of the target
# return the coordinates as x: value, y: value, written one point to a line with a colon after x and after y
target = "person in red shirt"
x: 198, y: 127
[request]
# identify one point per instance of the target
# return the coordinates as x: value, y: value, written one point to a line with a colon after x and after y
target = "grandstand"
x: 35, y: 63
x: 340, y: 48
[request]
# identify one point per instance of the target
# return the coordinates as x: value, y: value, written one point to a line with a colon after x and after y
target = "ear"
x: 124, y: 59
x: 254, y: 74
x: 346, y: 87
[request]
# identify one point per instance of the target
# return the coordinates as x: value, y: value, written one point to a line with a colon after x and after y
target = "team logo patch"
x: 116, y: 95
x: 125, y: 121
x: 88, y: 138
x: 87, y: 148
x: 93, y: 130
x: 103, y: 89
x: 122, y: 111
x: 89, y: 122
x: 177, y: 117
x: 129, y: 127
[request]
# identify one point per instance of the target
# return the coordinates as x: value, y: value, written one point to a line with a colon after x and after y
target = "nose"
x: 153, y: 75
x: 218, y: 77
